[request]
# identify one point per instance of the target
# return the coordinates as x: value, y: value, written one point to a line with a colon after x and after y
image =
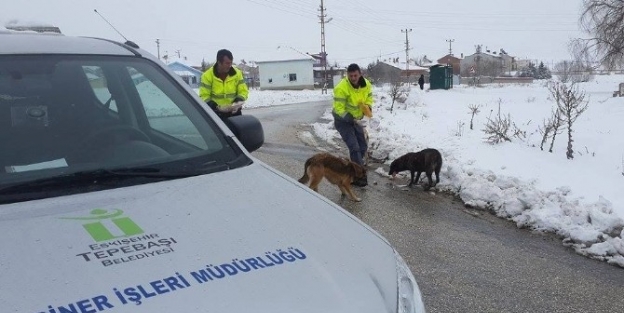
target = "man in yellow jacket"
x: 353, y: 98
x: 223, y: 86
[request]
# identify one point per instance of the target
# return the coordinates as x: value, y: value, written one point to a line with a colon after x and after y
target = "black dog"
x: 428, y: 161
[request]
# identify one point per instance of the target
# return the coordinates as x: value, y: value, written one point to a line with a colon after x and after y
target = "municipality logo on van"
x: 119, y: 239
x: 94, y: 225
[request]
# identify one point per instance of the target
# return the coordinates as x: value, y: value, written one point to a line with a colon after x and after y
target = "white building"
x: 288, y: 69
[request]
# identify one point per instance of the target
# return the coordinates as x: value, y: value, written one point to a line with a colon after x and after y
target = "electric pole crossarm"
x: 450, y: 41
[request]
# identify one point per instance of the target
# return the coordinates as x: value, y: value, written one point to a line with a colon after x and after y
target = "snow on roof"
x: 184, y: 73
x: 190, y: 71
x: 283, y: 53
x: 318, y: 67
x: 30, y: 26
x: 401, y: 66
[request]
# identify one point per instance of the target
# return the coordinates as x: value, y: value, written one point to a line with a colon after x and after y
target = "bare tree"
x: 550, y: 129
x: 576, y: 71
x: 564, y: 71
x: 517, y: 132
x: 603, y: 20
x: 421, y: 60
x: 204, y: 65
x: 571, y: 104
x: 474, y: 110
x: 558, y: 122
x: 374, y: 72
x: 498, y: 128
x: 397, y: 93
x: 545, y: 130
x: 556, y: 119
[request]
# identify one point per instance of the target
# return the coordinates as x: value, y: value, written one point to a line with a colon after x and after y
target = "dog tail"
x: 437, y: 165
x: 305, y: 178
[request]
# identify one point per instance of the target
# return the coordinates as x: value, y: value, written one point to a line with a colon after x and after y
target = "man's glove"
x: 366, y: 110
x: 224, y: 109
x: 238, y: 99
x: 236, y: 106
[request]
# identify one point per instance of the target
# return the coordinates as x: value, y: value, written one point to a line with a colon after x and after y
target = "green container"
x: 441, y: 77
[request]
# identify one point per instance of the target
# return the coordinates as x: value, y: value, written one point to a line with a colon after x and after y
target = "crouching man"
x: 353, y: 98
x: 223, y: 86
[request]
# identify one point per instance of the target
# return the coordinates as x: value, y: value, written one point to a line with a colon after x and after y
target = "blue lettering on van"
x: 238, y: 266
x: 136, y: 294
x: 91, y: 305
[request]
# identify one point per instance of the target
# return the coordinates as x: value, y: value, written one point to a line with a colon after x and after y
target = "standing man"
x: 223, y: 86
x: 421, y: 81
x: 352, y: 97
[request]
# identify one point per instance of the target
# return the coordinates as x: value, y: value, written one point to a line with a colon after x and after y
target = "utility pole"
x: 450, y: 41
x: 158, y: 47
x: 178, y: 53
x: 323, y: 17
x: 406, y: 31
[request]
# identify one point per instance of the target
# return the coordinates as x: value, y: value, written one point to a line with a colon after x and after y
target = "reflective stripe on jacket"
x: 223, y: 92
x: 347, y: 99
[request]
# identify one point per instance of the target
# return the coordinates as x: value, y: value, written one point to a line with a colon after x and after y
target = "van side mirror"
x: 248, y: 130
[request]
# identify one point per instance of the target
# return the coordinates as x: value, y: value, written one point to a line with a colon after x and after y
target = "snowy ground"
x: 265, y: 98
x: 582, y: 200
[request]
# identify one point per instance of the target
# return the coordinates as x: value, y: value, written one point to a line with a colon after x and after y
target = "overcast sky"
x: 360, y: 30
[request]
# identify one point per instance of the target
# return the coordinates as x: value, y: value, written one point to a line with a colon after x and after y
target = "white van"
x: 121, y: 191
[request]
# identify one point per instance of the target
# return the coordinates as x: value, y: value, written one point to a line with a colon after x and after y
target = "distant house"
x: 389, y: 71
x: 522, y: 63
x: 487, y: 63
x: 333, y: 73
x: 250, y: 71
x: 189, y: 74
x: 288, y: 69
x: 453, y: 61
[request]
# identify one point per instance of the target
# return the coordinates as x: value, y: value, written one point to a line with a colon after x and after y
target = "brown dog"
x: 428, y: 161
x: 338, y: 171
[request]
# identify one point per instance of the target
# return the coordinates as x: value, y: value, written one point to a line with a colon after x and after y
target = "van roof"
x: 15, y: 42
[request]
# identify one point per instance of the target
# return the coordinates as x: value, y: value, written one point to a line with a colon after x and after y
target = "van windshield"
x: 73, y: 117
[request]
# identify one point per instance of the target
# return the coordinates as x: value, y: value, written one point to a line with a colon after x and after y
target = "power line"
x: 373, y: 56
x: 280, y: 9
x: 457, y: 26
x: 473, y: 14
x: 292, y: 6
x: 357, y: 30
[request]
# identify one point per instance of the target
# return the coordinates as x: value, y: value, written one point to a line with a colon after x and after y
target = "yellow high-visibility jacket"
x: 223, y: 92
x: 348, y: 99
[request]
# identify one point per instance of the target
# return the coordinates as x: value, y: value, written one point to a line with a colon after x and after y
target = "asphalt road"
x: 465, y: 260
